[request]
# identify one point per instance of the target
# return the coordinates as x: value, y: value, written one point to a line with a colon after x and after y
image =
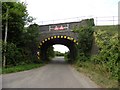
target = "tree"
x: 85, y: 37
x: 17, y: 18
x: 50, y: 52
x: 30, y: 38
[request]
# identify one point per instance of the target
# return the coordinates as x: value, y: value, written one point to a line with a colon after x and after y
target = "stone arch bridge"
x: 61, y: 33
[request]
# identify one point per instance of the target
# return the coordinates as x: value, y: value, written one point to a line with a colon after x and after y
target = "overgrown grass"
x: 20, y: 68
x: 110, y: 28
x: 97, y: 74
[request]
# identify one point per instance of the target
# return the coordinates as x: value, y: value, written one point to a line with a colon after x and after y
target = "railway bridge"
x: 61, y: 33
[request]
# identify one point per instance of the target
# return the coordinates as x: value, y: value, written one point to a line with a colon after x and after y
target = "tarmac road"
x: 57, y: 74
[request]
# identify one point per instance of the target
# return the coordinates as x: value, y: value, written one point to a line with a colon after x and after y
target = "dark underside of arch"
x: 63, y: 41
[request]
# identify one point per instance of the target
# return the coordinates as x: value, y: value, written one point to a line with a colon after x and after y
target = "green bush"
x: 17, y: 56
x: 90, y: 22
x: 13, y: 54
x: 58, y: 53
x: 67, y: 56
x: 50, y: 52
x: 106, y: 62
x: 85, y: 39
x: 108, y: 51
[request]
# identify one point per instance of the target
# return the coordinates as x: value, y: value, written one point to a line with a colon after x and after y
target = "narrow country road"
x: 57, y: 74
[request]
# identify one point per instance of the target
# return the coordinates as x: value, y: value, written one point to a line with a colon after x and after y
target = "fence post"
x: 96, y: 21
x: 113, y: 20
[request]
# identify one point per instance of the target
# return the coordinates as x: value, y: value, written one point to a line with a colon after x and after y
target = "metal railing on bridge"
x: 105, y: 20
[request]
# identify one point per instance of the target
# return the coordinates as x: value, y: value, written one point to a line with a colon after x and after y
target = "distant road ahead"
x: 57, y: 74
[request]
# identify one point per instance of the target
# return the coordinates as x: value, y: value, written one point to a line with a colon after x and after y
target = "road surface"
x: 57, y: 74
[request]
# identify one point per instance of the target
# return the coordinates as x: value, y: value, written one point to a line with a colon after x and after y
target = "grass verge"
x: 101, y: 78
x: 110, y: 28
x: 20, y: 68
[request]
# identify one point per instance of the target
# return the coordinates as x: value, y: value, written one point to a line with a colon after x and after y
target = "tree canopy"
x: 17, y: 18
x: 21, y: 41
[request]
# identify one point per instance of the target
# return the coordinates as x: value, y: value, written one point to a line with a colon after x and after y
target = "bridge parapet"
x: 69, y: 25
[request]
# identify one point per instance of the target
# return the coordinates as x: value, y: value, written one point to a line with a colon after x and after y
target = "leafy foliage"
x: 85, y: 39
x: 13, y: 54
x: 29, y: 38
x: 106, y: 62
x: 90, y: 22
x: 21, y: 41
x: 67, y: 56
x: 108, y: 51
x: 17, y: 17
x: 50, y: 52
x: 57, y: 53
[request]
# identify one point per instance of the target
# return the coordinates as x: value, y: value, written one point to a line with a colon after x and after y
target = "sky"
x: 45, y: 10
x: 60, y: 48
